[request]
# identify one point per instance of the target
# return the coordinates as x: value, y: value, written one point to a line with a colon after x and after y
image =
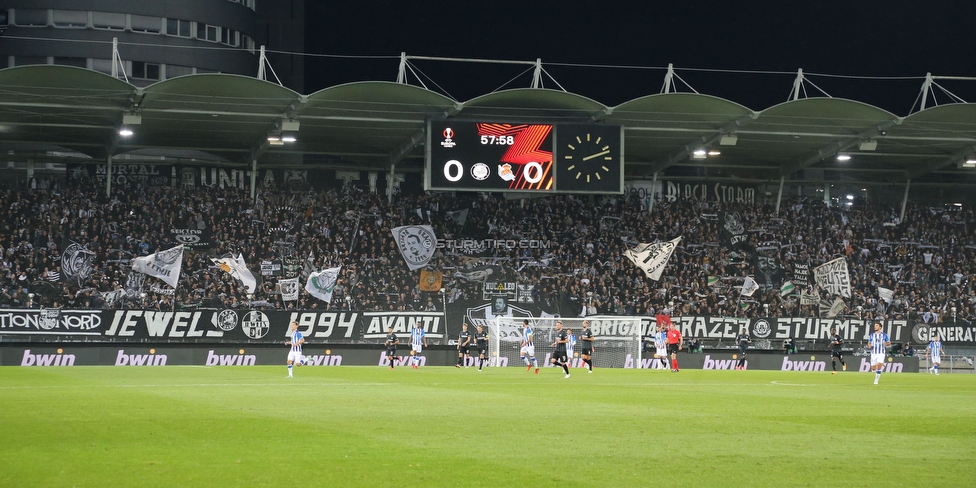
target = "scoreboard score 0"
x: 553, y: 158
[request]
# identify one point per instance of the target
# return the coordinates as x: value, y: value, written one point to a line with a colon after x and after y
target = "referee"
x: 675, y: 343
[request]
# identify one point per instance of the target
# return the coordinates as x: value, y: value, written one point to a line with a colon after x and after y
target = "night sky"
x: 863, y: 38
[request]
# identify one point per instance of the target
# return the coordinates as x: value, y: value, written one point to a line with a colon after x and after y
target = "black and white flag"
x: 834, y: 278
x: 165, y: 265
x: 288, y: 289
x: 801, y: 274
x: 733, y: 234
x: 652, y: 258
x: 76, y: 263
x: 886, y: 294
x: 458, y: 216
x: 309, y: 267
x: 417, y: 244
x: 134, y: 284
x: 480, y: 274
x: 768, y: 272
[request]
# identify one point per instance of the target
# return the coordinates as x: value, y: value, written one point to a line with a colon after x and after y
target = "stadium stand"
x: 929, y: 260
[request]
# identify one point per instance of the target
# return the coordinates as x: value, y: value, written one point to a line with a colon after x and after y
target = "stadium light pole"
x: 444, y: 302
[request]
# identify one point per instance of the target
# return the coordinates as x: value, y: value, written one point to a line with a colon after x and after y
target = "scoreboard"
x: 502, y: 156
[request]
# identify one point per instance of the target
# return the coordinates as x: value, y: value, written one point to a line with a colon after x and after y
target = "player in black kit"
x: 391, y: 344
x: 586, y: 335
x: 481, y: 338
x: 836, y: 342
x: 559, y: 355
x: 743, y: 341
x: 464, y: 340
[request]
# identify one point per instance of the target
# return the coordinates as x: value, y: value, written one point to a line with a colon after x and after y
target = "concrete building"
x: 156, y: 40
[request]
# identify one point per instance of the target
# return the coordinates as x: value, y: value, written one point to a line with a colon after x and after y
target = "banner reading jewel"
x: 246, y: 326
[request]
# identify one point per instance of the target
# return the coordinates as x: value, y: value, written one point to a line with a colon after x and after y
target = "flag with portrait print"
x: 416, y: 243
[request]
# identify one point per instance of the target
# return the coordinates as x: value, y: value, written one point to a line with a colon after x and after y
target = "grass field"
x: 369, y: 426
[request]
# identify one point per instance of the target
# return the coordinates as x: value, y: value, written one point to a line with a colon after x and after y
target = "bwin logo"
x: 230, y: 359
x: 58, y: 359
x: 151, y: 359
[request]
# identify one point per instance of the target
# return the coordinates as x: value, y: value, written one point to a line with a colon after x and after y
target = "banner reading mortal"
x: 834, y: 278
x: 652, y: 258
x: 416, y: 243
x: 165, y: 265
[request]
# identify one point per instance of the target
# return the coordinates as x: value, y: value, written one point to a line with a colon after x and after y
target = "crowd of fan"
x: 929, y: 259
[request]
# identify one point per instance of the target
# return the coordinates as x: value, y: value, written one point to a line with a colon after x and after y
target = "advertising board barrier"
x: 76, y: 354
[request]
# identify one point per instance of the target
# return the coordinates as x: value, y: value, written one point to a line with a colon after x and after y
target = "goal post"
x: 616, y: 340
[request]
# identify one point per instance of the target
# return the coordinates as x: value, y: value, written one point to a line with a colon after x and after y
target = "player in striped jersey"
x: 934, y: 352
x: 418, y: 340
x: 569, y: 347
x: 878, y: 343
x: 296, y: 341
x: 527, y: 351
x: 661, y: 346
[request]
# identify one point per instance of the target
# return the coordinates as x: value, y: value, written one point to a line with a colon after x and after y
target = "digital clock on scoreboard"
x: 490, y: 156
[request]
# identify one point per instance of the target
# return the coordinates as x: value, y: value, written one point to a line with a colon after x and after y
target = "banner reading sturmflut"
x: 834, y: 278
x: 652, y: 258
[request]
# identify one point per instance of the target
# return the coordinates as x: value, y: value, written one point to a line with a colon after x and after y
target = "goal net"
x: 616, y: 340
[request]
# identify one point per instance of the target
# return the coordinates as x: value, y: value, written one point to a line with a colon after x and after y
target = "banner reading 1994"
x: 352, y: 327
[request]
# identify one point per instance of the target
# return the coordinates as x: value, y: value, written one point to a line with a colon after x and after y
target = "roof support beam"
x: 704, y: 141
x: 836, y: 147
x: 953, y: 159
x: 405, y: 148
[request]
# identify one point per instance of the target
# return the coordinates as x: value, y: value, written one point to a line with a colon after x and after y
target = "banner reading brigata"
x: 352, y: 327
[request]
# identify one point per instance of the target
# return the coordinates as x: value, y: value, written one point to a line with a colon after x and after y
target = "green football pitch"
x: 438, y: 426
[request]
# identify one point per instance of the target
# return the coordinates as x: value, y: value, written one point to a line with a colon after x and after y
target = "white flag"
x: 238, y: 269
x: 886, y: 294
x: 749, y: 286
x: 809, y: 298
x: 165, y: 265
x: 288, y: 289
x: 416, y: 243
x: 652, y: 258
x: 836, y: 307
x: 834, y: 278
x: 321, y: 284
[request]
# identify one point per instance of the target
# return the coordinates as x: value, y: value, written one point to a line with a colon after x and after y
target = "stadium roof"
x: 65, y: 114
